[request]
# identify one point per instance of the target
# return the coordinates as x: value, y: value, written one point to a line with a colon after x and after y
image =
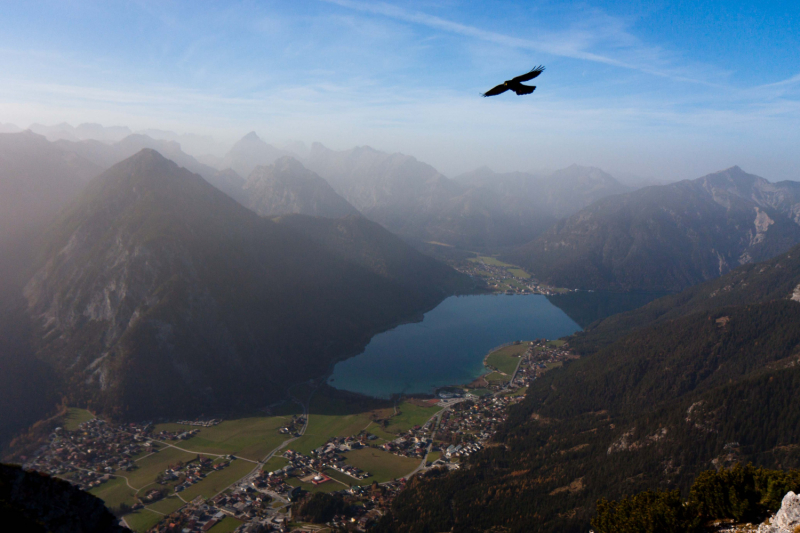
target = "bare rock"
x: 787, y: 519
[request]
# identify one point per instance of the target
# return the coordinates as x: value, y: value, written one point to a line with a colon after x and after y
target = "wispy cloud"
x: 574, y: 43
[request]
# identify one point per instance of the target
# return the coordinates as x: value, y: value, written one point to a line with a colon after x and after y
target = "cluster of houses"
x: 474, y: 421
x: 327, y: 456
x: 175, y: 435
x: 202, y: 423
x: 462, y: 450
x: 292, y: 427
x: 500, y: 279
x: 249, y: 506
x: 90, y: 454
x: 536, y: 359
x: 187, y: 474
x: 412, y: 445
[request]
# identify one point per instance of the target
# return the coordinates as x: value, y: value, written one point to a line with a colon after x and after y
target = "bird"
x: 515, y: 84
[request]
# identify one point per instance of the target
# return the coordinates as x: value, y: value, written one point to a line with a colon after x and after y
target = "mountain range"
x: 37, y: 179
x: 475, y: 211
x: 668, y: 237
x: 155, y: 293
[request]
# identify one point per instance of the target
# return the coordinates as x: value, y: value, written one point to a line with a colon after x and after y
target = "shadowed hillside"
x: 157, y: 294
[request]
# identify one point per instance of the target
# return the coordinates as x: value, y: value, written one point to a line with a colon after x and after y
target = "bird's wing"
x: 528, y: 76
x: 523, y: 89
x: 500, y: 89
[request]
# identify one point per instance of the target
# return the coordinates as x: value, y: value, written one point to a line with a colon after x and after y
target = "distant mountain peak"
x: 250, y: 152
x: 288, y: 162
x: 287, y: 187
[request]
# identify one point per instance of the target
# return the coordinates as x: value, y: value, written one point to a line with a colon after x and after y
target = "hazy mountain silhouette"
x: 107, y: 155
x: 558, y: 194
x: 248, y: 153
x: 158, y: 294
x: 37, y: 179
x: 414, y: 200
x: 287, y: 187
x: 85, y: 131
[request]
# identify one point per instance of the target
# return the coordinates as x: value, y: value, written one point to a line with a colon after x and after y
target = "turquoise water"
x: 448, y: 346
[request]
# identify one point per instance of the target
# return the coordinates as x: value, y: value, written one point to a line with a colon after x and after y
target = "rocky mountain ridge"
x: 667, y: 237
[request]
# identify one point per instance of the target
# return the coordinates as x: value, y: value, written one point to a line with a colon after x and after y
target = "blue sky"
x: 668, y: 90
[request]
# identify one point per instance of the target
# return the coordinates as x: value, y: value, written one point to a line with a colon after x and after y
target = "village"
x: 504, y: 277
x: 267, y: 491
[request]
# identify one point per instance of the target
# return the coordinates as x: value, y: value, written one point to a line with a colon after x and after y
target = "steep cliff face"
x: 37, y: 503
x: 287, y: 187
x: 156, y: 293
x: 667, y: 237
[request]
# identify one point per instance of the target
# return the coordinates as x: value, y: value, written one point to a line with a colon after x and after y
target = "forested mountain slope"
x: 648, y: 408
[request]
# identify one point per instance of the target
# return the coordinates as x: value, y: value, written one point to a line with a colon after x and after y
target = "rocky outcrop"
x: 35, y: 502
x: 787, y: 519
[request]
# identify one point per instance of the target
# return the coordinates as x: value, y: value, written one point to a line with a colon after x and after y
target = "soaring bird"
x: 515, y: 84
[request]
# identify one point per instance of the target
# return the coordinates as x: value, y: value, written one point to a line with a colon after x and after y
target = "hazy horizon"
x: 656, y: 91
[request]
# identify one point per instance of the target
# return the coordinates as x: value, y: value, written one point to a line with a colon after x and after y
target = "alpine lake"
x: 448, y: 346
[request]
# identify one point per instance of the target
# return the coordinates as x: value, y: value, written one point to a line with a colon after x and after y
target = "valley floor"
x: 213, y: 474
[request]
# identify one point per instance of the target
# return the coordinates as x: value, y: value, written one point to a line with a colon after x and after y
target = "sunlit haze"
x: 645, y: 89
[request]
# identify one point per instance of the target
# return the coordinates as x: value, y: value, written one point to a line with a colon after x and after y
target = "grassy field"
x: 114, y: 492
x: 433, y: 456
x: 383, y: 466
x: 252, y: 438
x: 551, y: 366
x: 515, y: 284
x: 496, y: 378
x: 381, y: 433
x: 489, y: 261
x: 410, y: 415
x: 75, y: 417
x: 481, y: 392
x: 226, y: 525
x: 150, y: 466
x: 275, y: 463
x: 216, y: 482
x: 518, y: 272
x: 322, y: 427
x: 335, y: 417
x: 556, y: 343
x: 503, y: 362
x: 506, y: 359
x: 344, y: 478
x: 142, y: 520
x: 168, y: 505
x: 518, y: 392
